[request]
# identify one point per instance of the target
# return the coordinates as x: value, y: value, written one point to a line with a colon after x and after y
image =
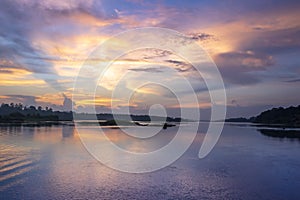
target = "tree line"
x: 20, y: 113
x: 288, y: 116
x: 282, y: 116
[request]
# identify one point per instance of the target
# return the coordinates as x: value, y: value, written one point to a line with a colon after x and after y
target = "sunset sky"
x: 255, y: 44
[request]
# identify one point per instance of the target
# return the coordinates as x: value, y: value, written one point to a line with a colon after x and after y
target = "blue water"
x: 51, y: 163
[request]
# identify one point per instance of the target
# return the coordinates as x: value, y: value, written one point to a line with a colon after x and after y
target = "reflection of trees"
x: 10, y: 130
x: 292, y: 134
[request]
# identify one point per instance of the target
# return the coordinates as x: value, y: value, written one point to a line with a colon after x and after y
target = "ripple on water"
x: 15, y: 164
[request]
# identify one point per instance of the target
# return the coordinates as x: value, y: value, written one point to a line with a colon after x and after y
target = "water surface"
x: 52, y: 163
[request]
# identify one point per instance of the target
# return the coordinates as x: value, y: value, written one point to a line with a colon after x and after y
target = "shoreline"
x: 139, y: 123
x: 104, y: 123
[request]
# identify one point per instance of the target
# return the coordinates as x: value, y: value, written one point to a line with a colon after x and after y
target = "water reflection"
x: 51, y: 163
x: 67, y: 131
x: 281, y: 133
x: 15, y: 130
x: 16, y: 162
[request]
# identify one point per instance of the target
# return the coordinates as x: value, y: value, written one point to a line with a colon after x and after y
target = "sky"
x: 255, y: 45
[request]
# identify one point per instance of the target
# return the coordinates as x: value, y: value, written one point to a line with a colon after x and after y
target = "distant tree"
x: 19, y: 106
x: 280, y: 115
x: 32, y: 108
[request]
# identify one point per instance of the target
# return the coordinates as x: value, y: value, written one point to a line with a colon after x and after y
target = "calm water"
x: 51, y: 163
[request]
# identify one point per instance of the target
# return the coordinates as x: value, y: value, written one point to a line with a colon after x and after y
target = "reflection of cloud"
x: 68, y: 131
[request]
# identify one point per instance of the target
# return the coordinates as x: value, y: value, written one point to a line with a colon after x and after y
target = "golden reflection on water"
x: 20, y: 150
x: 59, y: 151
x: 95, y: 138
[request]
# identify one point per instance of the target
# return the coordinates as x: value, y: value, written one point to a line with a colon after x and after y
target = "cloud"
x: 24, y: 99
x: 274, y: 42
x: 45, y: 41
x: 147, y: 55
x: 27, y: 25
x: 3, y: 71
x: 249, y: 60
x: 201, y: 36
x: 181, y: 66
x: 293, y: 81
x: 149, y: 69
x: 9, y: 65
x: 67, y: 104
x: 15, y: 42
x: 236, y: 67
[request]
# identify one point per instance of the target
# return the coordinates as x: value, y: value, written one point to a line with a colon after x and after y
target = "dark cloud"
x: 8, y: 64
x: 257, y: 28
x: 6, y: 71
x: 274, y: 42
x: 181, y: 66
x: 149, y: 69
x: 200, y: 36
x: 238, y: 67
x: 156, y: 53
x: 293, y: 81
x: 249, y: 60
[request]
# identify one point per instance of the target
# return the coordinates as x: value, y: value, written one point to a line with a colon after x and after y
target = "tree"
x: 32, y: 108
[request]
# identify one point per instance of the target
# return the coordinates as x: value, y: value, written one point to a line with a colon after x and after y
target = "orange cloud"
x: 54, y: 98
